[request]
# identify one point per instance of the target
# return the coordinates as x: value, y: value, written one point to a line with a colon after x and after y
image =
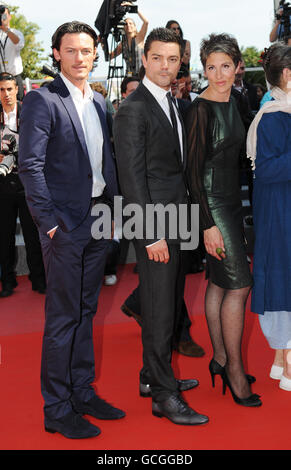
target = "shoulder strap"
x: 19, y: 108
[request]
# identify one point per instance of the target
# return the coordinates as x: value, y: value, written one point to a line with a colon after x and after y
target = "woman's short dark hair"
x: 162, y: 35
x: 275, y: 59
x: 71, y: 28
x: 169, y: 24
x: 223, y: 43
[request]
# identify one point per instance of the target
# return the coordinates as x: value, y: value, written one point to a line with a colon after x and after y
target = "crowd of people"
x: 12, y: 196
x: 164, y: 144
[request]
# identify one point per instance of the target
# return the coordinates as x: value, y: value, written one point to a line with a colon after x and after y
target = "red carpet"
x: 118, y: 360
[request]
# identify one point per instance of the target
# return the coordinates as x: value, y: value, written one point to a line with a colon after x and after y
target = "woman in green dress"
x: 216, y: 137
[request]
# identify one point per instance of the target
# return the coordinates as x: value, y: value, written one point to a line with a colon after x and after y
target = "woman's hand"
x: 213, y: 241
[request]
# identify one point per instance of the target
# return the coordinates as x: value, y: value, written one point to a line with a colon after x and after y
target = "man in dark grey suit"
x: 151, y: 155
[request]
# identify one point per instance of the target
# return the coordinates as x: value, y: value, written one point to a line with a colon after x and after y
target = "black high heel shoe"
x: 253, y: 400
x: 216, y: 369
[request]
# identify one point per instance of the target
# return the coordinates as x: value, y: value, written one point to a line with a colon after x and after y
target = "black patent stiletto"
x: 216, y: 369
x: 251, y: 401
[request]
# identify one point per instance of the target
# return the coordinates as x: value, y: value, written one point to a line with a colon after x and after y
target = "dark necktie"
x: 174, y: 122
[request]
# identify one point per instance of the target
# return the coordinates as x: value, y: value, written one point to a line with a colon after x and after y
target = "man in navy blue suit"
x: 66, y: 166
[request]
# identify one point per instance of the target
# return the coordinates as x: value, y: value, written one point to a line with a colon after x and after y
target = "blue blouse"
x: 272, y: 215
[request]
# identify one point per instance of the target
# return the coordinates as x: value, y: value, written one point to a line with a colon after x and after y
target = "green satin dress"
x: 216, y: 136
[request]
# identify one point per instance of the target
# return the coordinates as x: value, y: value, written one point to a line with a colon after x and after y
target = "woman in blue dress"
x: 269, y: 147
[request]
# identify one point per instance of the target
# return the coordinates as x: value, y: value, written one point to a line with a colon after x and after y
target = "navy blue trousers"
x: 74, y: 264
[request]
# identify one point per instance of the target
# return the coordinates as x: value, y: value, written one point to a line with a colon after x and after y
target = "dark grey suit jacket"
x: 150, y: 169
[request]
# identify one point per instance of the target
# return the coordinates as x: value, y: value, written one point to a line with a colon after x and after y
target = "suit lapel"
x: 68, y: 103
x: 157, y: 110
x: 163, y: 119
x: 184, y: 137
x: 101, y: 118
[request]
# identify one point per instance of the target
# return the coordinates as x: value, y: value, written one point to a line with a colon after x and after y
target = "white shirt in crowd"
x: 10, y: 119
x: 10, y: 53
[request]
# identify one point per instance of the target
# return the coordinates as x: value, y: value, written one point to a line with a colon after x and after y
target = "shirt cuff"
x: 52, y: 229
x: 152, y: 244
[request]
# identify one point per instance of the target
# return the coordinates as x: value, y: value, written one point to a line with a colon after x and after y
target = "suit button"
x: 90, y: 177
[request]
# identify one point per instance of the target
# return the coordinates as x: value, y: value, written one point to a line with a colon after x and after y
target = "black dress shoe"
x: 8, y: 288
x: 39, y: 287
x: 177, y: 410
x: 6, y: 292
x: 98, y: 408
x: 131, y: 313
x: 72, y: 426
x: 182, y: 385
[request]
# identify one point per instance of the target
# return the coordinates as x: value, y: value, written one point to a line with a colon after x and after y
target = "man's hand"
x: 1, y: 157
x: 159, y: 252
x: 180, y: 90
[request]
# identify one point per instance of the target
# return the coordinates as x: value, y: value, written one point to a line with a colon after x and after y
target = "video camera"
x: 117, y: 10
x: 8, y: 149
x: 47, y: 70
x: 3, y: 16
x: 109, y: 20
x: 285, y: 20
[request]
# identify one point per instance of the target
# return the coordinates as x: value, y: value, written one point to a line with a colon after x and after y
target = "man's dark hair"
x: 183, y: 72
x: 74, y: 27
x: 162, y: 35
x: 126, y: 81
x: 4, y: 76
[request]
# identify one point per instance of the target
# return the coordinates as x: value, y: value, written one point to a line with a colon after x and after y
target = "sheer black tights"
x: 225, y: 313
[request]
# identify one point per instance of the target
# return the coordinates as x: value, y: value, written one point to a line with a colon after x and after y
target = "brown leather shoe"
x: 190, y: 348
x: 131, y: 313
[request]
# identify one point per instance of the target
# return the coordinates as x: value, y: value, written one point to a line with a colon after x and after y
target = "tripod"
x: 116, y: 73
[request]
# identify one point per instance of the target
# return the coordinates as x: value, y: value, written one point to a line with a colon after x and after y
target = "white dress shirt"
x: 10, y: 119
x: 11, y: 53
x: 92, y: 131
x: 161, y: 96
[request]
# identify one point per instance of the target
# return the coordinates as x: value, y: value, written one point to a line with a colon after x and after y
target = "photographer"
x: 133, y: 48
x: 278, y: 32
x: 11, y: 43
x: 12, y: 197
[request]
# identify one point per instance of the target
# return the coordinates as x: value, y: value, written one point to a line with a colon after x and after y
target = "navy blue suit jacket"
x: 54, y: 164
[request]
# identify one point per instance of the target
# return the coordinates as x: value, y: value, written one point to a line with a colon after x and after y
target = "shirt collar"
x: 14, y: 111
x: 158, y: 92
x: 75, y: 92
